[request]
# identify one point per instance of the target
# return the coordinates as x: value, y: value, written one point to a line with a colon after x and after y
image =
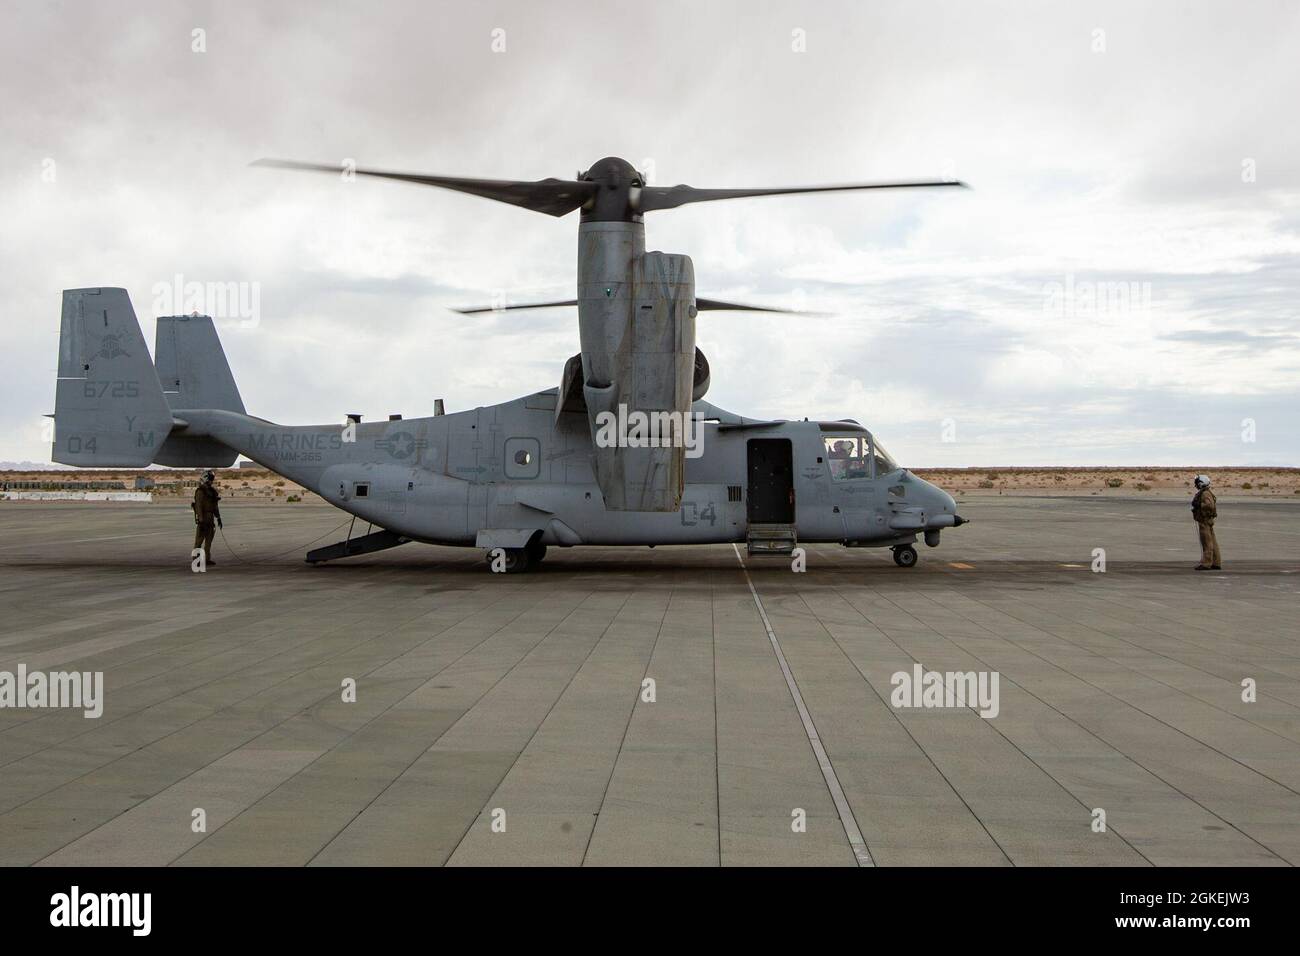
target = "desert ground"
x: 1229, y: 482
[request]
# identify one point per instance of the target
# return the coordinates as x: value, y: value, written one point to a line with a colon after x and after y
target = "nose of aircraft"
x: 938, y: 505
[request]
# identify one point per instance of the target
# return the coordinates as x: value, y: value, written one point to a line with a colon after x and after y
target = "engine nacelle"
x: 701, y: 387
x: 639, y: 356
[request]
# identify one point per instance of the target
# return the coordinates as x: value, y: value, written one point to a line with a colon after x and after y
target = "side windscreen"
x: 851, y: 456
x: 884, y: 461
x: 848, y: 456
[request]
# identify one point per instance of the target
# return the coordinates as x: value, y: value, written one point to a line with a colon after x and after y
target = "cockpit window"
x: 884, y: 461
x: 850, y: 456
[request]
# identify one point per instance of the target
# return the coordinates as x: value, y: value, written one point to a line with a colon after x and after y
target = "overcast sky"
x: 1121, y: 285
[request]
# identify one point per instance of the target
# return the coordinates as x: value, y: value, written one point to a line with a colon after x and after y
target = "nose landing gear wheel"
x: 905, y: 556
x: 515, y: 560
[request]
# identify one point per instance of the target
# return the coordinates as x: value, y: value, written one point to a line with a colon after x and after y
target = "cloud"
x: 1117, y: 170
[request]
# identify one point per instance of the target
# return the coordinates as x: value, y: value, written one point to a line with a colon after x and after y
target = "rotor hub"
x: 620, y: 188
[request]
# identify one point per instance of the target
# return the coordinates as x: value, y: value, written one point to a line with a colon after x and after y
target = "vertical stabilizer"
x: 192, y: 364
x: 109, y: 409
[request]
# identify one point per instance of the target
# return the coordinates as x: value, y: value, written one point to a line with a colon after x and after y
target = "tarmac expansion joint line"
x: 851, y: 831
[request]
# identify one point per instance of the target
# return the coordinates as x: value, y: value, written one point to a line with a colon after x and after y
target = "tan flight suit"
x: 207, y: 512
x: 1205, y: 509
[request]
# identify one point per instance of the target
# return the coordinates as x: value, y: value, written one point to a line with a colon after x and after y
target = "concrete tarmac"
x: 506, y: 719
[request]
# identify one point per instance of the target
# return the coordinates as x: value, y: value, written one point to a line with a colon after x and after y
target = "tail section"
x: 194, y: 373
x: 192, y: 365
x: 113, y: 409
x: 109, y: 408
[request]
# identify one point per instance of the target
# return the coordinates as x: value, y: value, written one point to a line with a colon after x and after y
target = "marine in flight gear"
x: 1205, y: 509
x: 207, y: 514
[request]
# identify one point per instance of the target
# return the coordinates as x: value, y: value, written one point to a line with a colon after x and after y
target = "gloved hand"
x: 219, y: 524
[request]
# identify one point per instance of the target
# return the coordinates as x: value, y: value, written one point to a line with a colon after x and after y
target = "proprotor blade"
x: 704, y: 305
x: 555, y: 197
x: 670, y: 197
x: 717, y: 305
x: 510, y: 308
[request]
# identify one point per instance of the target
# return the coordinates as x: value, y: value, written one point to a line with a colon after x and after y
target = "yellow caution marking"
x: 961, y: 567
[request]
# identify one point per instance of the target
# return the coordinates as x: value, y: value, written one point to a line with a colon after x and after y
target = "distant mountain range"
x: 33, y: 466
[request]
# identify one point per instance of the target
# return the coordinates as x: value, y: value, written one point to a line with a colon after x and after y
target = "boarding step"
x: 771, y: 539
x: 365, y: 544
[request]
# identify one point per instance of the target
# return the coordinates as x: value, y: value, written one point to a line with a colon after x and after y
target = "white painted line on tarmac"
x: 859, y: 845
x: 109, y: 537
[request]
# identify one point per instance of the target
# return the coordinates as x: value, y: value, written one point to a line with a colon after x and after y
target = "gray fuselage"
x: 468, y: 477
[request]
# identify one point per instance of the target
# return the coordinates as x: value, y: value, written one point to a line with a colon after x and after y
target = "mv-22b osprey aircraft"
x: 625, y: 451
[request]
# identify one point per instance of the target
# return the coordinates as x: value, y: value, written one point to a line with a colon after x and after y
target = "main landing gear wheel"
x: 516, y: 560
x: 905, y: 556
x: 535, y: 551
